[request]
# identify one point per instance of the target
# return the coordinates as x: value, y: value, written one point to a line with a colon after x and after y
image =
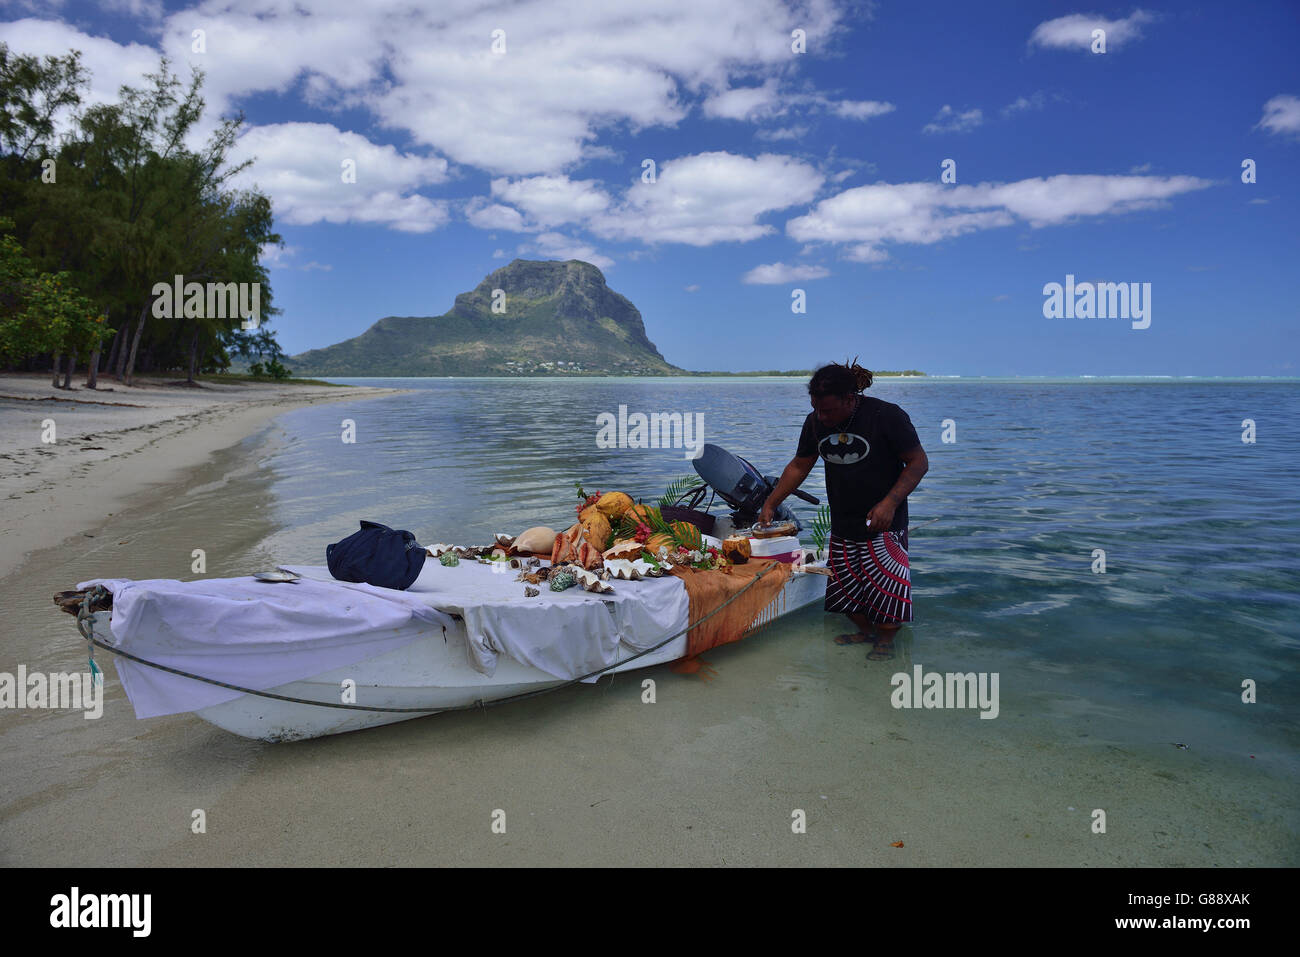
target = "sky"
x: 795, y: 146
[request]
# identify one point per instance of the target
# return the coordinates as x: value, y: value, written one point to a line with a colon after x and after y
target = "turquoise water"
x: 1201, y: 589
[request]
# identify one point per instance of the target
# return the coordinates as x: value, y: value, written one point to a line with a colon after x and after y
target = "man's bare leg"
x: 884, y: 647
x: 862, y: 623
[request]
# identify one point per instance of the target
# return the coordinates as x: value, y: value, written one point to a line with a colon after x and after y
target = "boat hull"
x: 430, y: 673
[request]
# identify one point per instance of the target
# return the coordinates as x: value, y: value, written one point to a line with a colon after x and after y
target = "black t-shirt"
x: 862, y: 463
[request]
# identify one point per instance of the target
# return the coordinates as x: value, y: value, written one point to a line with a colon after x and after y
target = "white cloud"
x: 779, y: 273
x: 553, y: 200
x: 744, y: 103
x: 487, y: 215
x: 922, y: 213
x: 1022, y: 104
x: 145, y: 9
x: 498, y: 254
x: 860, y: 109
x: 948, y: 120
x: 557, y: 246
x: 1282, y: 115
x: 709, y: 198
x: 1074, y: 31
x: 571, y: 68
x: 782, y: 133
x: 693, y: 287
x: 300, y: 166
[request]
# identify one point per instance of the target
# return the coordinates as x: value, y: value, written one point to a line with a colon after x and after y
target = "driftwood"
x: 70, y: 601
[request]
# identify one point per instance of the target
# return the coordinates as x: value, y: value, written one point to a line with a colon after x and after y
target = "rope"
x: 85, y: 617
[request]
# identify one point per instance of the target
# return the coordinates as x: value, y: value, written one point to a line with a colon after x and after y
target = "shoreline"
x: 57, y: 490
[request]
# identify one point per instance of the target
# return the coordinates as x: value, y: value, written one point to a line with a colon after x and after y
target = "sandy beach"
x: 69, y: 459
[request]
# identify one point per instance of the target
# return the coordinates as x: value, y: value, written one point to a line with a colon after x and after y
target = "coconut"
x: 614, y: 504
x: 597, y: 528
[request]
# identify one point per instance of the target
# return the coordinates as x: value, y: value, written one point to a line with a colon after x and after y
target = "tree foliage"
x: 111, y: 199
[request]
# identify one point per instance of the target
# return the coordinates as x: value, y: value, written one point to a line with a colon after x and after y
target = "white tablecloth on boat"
x: 567, y: 634
x: 250, y: 633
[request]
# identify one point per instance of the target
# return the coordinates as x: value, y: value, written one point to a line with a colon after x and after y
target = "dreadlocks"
x: 840, y: 379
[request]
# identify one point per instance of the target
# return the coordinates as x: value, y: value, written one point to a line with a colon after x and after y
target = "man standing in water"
x: 873, y: 461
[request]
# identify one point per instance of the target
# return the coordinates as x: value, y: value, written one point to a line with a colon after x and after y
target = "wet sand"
x: 712, y: 773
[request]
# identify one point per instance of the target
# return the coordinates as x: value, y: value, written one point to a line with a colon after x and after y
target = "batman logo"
x: 843, y: 448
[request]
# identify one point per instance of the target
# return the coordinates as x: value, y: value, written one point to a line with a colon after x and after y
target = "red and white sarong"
x: 872, y: 578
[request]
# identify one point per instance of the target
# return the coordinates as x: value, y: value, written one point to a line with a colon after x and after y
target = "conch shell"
x: 536, y: 539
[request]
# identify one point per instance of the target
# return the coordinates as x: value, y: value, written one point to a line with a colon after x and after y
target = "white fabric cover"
x: 250, y: 633
x: 567, y: 634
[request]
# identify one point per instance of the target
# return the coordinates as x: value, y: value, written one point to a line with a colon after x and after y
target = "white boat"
x: 235, y: 654
x: 432, y: 673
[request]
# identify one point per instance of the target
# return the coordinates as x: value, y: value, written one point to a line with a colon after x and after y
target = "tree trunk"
x: 114, y: 350
x: 92, y: 369
x: 57, y: 357
x: 135, y: 340
x: 69, y: 369
x: 194, y: 351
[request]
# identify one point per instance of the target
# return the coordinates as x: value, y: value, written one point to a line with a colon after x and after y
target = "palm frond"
x: 821, y: 526
x: 679, y: 487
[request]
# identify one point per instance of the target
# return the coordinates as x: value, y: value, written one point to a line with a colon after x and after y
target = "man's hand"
x: 881, y: 517
x: 791, y: 478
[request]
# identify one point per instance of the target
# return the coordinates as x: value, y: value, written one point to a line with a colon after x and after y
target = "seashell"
x: 599, y: 587
x: 536, y: 539
x: 533, y: 562
x: 516, y: 563
x: 436, y: 550
x: 505, y: 541
x: 563, y: 579
x: 530, y: 592
x: 449, y: 559
x: 605, y: 574
x: 542, y: 574
x: 629, y: 549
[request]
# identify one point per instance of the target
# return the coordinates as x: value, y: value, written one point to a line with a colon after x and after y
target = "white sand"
x: 53, y: 491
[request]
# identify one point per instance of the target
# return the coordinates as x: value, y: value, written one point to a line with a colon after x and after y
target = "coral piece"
x: 449, y: 559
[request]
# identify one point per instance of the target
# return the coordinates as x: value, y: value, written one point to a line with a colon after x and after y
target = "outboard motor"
x: 738, y: 483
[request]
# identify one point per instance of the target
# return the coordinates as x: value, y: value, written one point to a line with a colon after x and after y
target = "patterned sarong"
x: 872, y: 578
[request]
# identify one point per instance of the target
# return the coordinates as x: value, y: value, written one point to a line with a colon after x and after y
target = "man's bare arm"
x: 791, y: 478
x: 915, y: 464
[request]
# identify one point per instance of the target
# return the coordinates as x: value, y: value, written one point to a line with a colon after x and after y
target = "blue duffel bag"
x: 377, y: 555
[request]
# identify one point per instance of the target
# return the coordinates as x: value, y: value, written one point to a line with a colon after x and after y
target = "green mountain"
x: 550, y: 318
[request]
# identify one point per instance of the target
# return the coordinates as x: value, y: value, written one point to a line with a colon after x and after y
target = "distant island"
x: 530, y: 318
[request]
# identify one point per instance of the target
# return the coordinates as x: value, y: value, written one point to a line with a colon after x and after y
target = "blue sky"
x: 776, y: 170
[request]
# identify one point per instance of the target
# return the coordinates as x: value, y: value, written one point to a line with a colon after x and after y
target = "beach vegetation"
x: 113, y: 199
